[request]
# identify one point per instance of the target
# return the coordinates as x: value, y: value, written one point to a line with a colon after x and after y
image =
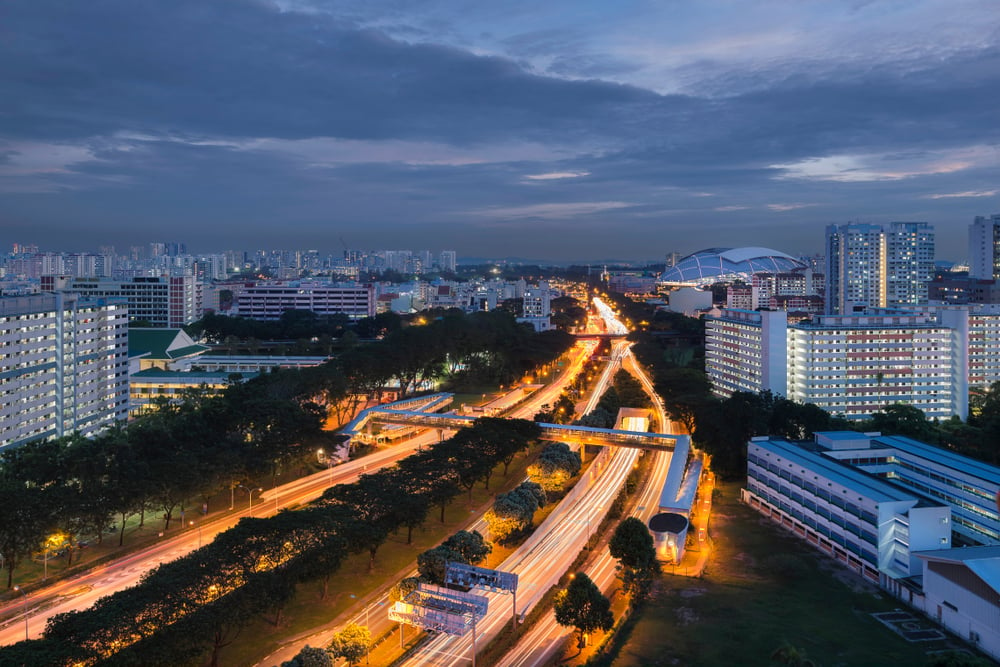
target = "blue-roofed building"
x: 968, y: 486
x: 869, y: 524
x: 877, y: 502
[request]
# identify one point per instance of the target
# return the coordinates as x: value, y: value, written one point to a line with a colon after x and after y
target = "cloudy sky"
x: 563, y: 129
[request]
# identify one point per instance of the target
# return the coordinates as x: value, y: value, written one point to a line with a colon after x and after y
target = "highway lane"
x: 555, y: 544
x: 546, y: 637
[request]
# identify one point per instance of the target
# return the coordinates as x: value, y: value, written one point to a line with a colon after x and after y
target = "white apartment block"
x: 855, y: 365
x: 163, y: 301
x: 267, y: 301
x: 745, y: 351
x: 63, y: 366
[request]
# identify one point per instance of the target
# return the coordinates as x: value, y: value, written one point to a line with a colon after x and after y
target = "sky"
x: 560, y: 130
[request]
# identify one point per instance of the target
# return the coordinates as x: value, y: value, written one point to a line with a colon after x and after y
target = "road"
x: 546, y: 637
x: 542, y: 560
x: 81, y: 591
x: 374, y: 613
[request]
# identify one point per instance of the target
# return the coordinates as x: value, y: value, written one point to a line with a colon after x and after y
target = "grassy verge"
x: 742, y: 610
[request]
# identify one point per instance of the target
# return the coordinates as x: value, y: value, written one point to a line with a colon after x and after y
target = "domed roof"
x: 668, y: 522
x: 716, y: 264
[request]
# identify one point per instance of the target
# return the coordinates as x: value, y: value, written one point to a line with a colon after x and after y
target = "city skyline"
x: 558, y: 132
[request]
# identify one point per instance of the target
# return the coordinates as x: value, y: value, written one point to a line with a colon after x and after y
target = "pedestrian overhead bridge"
x: 581, y: 435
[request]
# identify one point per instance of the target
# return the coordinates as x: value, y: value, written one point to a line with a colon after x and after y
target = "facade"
x: 745, y: 351
x: 872, y: 526
x: 968, y: 486
x: 267, y: 301
x: 984, y: 247
x: 871, y: 266
x: 163, y: 301
x: 961, y: 591
x: 856, y: 365
x: 63, y: 366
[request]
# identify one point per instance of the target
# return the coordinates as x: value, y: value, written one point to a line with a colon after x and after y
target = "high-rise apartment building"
x: 878, y: 266
x: 984, y: 247
x: 64, y: 364
x: 163, y: 301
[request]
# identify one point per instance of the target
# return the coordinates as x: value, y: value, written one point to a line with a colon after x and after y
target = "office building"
x: 160, y: 301
x: 63, y: 364
x: 984, y: 247
x: 872, y: 266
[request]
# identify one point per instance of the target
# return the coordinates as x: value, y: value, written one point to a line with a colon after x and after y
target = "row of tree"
x: 196, y: 605
x: 182, y: 453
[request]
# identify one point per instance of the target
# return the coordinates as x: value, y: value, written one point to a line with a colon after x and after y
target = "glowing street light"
x: 192, y: 523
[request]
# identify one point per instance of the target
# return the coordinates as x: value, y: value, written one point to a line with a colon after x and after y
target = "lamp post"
x: 24, y: 609
x: 192, y: 523
x: 251, y: 492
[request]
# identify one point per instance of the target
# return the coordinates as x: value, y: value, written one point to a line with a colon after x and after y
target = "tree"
x: 513, y: 512
x: 310, y: 656
x: 556, y: 465
x: 791, y: 656
x: 351, y: 643
x: 633, y: 546
x: 581, y: 605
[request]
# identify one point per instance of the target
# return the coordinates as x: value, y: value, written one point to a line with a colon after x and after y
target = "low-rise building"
x: 268, y: 300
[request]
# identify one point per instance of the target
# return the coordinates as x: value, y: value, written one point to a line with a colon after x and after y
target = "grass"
x: 740, y: 612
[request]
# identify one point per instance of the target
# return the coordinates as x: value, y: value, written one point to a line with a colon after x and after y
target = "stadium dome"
x: 720, y: 264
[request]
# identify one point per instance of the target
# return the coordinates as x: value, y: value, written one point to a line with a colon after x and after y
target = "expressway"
x: 541, y: 561
x: 546, y: 637
x: 81, y: 591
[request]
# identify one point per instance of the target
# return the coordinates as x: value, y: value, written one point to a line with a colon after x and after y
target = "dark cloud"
x: 183, y: 115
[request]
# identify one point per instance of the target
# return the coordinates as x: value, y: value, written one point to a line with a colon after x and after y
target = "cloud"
x: 963, y: 195
x: 557, y: 175
x: 788, y: 207
x: 889, y: 167
x: 555, y: 211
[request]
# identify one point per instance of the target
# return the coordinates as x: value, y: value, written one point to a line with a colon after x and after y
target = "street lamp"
x: 24, y: 609
x: 192, y: 523
x: 251, y: 492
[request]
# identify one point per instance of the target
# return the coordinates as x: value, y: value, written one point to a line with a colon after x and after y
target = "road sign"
x: 446, y: 599
x: 470, y: 576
